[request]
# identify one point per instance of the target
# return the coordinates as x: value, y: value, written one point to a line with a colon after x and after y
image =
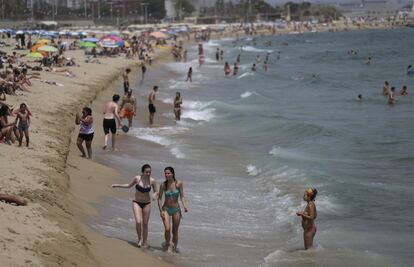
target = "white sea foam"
x: 177, y: 153
x: 212, y: 43
x: 252, y: 170
x: 254, y: 49
x: 247, y: 94
x: 245, y: 75
x: 198, y: 115
x: 158, y: 135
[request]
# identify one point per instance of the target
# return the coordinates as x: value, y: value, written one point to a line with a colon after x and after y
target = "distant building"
x: 372, y: 8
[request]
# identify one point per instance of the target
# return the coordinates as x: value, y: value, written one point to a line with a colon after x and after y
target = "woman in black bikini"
x: 142, y: 203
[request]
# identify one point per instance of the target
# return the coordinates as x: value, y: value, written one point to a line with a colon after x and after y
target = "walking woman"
x: 170, y: 211
x: 142, y: 203
x: 86, y: 131
x: 177, y: 106
x: 308, y: 217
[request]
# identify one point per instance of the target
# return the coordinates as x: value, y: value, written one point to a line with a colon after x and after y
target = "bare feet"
x: 83, y: 156
x: 139, y: 243
x: 104, y: 147
x: 145, y: 245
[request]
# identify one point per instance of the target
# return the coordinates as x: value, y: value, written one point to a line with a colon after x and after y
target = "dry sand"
x: 50, y: 231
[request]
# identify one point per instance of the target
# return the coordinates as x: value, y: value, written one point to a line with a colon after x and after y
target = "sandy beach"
x: 49, y: 231
x: 58, y: 184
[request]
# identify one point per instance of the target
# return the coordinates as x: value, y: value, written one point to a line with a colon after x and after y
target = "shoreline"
x: 53, y: 170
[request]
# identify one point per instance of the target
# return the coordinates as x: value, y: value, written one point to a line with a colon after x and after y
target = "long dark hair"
x: 171, y: 169
x: 144, y: 167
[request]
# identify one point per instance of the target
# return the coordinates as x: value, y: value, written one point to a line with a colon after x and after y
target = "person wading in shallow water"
x: 308, y: 217
x: 109, y: 123
x: 170, y: 211
x: 151, y: 106
x: 141, y: 206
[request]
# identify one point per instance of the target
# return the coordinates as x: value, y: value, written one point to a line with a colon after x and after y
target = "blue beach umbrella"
x: 90, y: 39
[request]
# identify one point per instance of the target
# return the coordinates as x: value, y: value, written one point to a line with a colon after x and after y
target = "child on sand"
x: 23, y: 122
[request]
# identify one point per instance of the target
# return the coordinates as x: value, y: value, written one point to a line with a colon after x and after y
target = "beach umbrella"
x: 34, y: 55
x: 91, y: 40
x: 47, y: 48
x: 159, y: 35
x: 19, y: 32
x: 109, y: 44
x: 87, y: 44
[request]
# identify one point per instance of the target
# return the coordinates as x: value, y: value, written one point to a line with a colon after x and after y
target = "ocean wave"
x: 254, y: 49
x: 252, y: 170
x: 248, y: 93
x: 158, y: 135
x: 245, y: 75
x: 177, y: 153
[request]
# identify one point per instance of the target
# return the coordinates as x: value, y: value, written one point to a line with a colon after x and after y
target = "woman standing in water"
x: 308, y: 217
x: 170, y: 211
x: 142, y: 203
x: 227, y: 69
x: 177, y: 106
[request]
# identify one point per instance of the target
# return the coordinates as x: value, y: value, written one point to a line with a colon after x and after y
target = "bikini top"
x: 142, y: 189
x: 173, y: 194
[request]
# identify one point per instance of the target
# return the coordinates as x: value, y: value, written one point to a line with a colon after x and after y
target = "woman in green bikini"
x: 170, y: 211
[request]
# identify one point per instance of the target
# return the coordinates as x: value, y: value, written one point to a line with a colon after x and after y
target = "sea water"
x: 248, y: 145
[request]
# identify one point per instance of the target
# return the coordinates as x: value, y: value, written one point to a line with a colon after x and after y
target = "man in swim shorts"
x: 126, y: 79
x: 151, y: 107
x: 109, y: 123
x: 128, y: 107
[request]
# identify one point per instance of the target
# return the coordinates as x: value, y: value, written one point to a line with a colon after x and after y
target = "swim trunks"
x: 109, y: 124
x: 151, y: 108
x: 126, y: 113
x: 86, y: 137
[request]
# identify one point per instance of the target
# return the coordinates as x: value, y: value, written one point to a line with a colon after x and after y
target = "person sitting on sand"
x: 141, y: 206
x: 109, y: 123
x: 170, y: 211
x: 177, y: 106
x: 86, y: 131
x: 128, y: 107
x: 6, y: 128
x: 404, y: 90
x: 308, y: 216
x: 23, y: 122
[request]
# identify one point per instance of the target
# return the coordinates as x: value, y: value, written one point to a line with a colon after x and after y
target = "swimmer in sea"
x: 141, y: 205
x: 235, y: 69
x: 254, y: 67
x: 265, y: 66
x: 308, y: 217
x: 257, y: 59
x: 227, y: 70
x: 404, y: 90
x: 238, y: 58
x: 359, y: 97
x: 391, y: 96
x: 386, y: 88
x: 368, y: 61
